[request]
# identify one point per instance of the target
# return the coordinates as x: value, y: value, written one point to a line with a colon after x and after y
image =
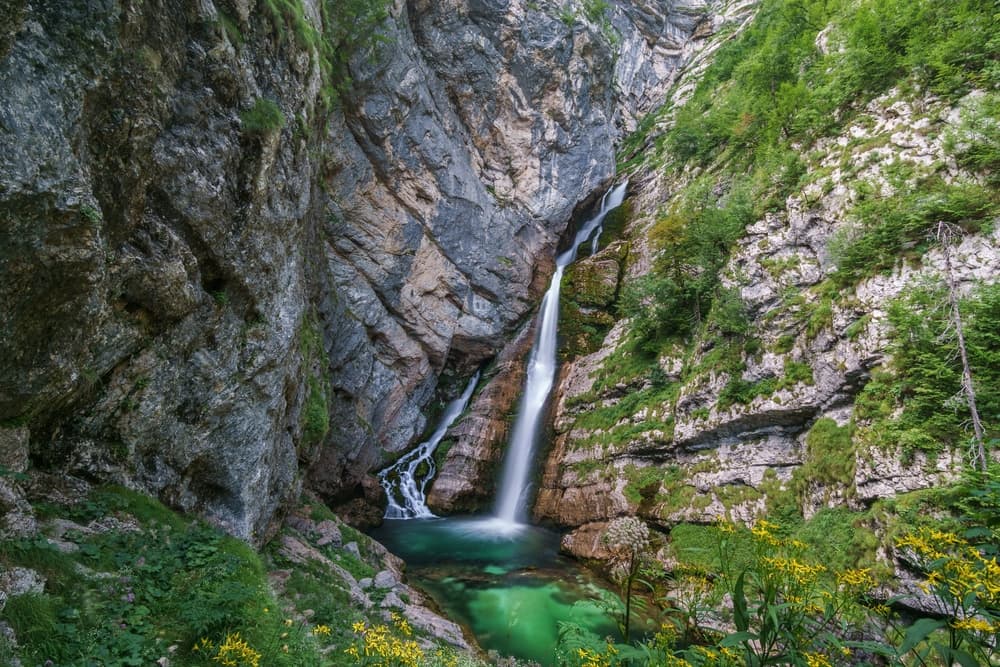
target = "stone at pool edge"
x: 14, y: 449
x: 386, y: 579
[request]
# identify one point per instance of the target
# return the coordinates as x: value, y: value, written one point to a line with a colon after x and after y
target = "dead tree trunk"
x: 945, y: 233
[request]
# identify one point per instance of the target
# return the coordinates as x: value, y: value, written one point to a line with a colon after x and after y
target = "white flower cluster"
x: 627, y: 533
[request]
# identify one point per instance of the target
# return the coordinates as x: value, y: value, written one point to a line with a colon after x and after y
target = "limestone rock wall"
x: 213, y: 306
x: 655, y: 42
x: 696, y: 457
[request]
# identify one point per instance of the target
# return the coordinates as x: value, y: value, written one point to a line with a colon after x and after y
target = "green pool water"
x: 510, y: 587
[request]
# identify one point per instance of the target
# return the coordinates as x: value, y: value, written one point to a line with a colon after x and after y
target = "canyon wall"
x: 787, y: 409
x: 792, y: 389
x: 230, y: 265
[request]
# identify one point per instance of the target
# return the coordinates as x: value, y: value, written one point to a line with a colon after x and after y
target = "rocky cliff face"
x: 674, y: 445
x: 215, y: 285
x: 659, y: 41
x: 655, y: 40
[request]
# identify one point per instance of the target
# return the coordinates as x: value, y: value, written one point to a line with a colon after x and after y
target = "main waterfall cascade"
x: 514, y: 484
x: 501, y: 577
x: 403, y: 482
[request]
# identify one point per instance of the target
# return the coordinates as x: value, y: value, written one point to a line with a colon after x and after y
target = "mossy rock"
x: 592, y: 283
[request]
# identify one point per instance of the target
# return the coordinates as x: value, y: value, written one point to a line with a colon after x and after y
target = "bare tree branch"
x: 945, y: 235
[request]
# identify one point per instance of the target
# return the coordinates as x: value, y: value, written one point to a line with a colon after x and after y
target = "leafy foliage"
x: 790, y: 607
x: 800, y: 72
x: 899, y: 226
x: 915, y: 403
x: 124, y: 595
x: 262, y: 118
x: 693, y: 240
x: 348, y: 27
x: 976, y: 142
x: 773, y: 85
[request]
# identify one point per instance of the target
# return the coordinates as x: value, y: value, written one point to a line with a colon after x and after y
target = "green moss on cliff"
x: 262, y: 118
x: 315, y: 416
x: 347, y: 28
x: 829, y: 458
x: 740, y: 391
x: 590, y: 290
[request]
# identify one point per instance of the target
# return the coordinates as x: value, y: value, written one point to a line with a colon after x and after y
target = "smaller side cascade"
x: 404, y: 482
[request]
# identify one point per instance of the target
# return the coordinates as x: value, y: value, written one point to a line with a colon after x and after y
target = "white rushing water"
x: 514, y: 484
x: 406, y: 489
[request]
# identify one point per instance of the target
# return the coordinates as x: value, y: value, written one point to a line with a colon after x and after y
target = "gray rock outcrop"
x: 698, y: 457
x: 216, y: 286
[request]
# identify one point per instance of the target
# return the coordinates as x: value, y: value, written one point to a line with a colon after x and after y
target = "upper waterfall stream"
x: 515, y: 482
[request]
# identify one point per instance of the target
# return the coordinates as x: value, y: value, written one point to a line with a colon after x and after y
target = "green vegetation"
x: 913, y: 403
x: 91, y: 214
x: 740, y: 391
x: 607, y: 417
x: 123, y: 596
x: 772, y: 86
x: 129, y: 582
x: 806, y: 593
x: 976, y: 142
x: 315, y: 416
x: 892, y: 228
x: 349, y: 27
x: 586, y: 299
x: 644, y: 483
x: 262, y: 118
x: 829, y: 458
x: 737, y: 147
x: 595, y: 9
x: 693, y: 240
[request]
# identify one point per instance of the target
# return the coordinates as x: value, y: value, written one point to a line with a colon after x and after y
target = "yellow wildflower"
x: 236, y: 652
x: 856, y: 578
x: 974, y: 624
x: 817, y: 660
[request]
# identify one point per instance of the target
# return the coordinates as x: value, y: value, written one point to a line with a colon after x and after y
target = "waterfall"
x: 406, y: 489
x: 514, y: 483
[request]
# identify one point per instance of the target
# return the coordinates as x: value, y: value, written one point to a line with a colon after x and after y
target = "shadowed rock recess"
x: 217, y: 287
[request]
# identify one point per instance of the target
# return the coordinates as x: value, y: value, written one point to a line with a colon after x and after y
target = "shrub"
x: 975, y: 143
x: 829, y: 457
x: 349, y: 27
x: 262, y: 118
x: 911, y: 404
x: 888, y: 228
